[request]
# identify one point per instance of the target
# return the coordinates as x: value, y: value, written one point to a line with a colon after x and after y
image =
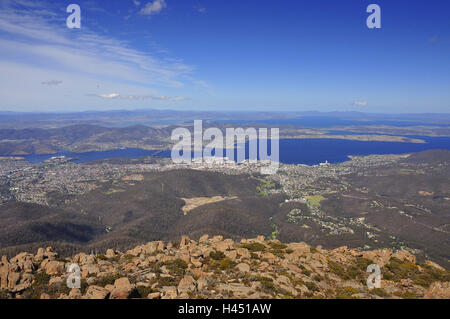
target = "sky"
x: 225, y: 55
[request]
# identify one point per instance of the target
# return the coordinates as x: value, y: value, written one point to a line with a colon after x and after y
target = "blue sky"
x: 225, y: 55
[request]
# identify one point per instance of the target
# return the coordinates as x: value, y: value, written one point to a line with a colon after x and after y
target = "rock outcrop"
x: 214, y: 267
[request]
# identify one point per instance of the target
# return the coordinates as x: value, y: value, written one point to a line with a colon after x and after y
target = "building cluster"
x: 26, y: 182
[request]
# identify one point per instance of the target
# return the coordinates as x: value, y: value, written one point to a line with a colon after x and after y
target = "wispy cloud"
x: 35, y: 41
x: 153, y: 7
x: 360, y: 103
x: 51, y: 82
x: 87, y: 51
x: 139, y: 97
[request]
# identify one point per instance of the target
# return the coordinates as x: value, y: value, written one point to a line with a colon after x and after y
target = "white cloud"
x: 109, y: 96
x: 136, y: 3
x: 360, y: 103
x: 153, y: 7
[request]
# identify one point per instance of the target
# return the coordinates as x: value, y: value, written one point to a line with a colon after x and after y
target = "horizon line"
x: 218, y: 111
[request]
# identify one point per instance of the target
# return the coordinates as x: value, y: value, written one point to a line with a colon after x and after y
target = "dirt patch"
x: 195, y: 202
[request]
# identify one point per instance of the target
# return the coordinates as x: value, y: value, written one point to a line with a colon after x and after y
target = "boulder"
x: 187, y: 284
x: 260, y: 239
x: 263, y: 266
x: 136, y: 251
x: 202, y: 283
x: 123, y: 289
x: 183, y: 255
x: 282, y: 280
x: 96, y: 292
x: 123, y: 282
x: 224, y: 245
x: 203, y: 239
x: 4, y: 271
x: 184, y: 241
x: 299, y: 248
x: 243, y: 267
x: 13, y: 280
x: 89, y: 269
x: 243, y: 252
x: 380, y: 257
x: 434, y: 265
x: 55, y: 281
x: 83, y: 259
x: 110, y: 253
x: 237, y: 290
x: 232, y: 254
x: 24, y: 262
x: 154, y: 295
x: 17, y: 282
x: 109, y: 287
x: 217, y: 238
x: 196, y: 262
x: 54, y: 267
x: 50, y: 254
x: 39, y: 257
x: 75, y: 293
x: 169, y: 292
x: 153, y: 246
x: 271, y: 258
x: 438, y: 290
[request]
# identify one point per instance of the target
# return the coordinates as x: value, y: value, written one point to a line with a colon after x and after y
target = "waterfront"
x: 292, y: 151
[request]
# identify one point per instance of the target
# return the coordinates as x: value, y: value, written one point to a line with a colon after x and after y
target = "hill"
x: 217, y: 268
x: 125, y: 213
x: 80, y: 138
x: 24, y: 223
x: 430, y: 156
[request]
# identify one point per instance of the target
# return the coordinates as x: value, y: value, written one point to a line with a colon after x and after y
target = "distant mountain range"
x: 116, y: 118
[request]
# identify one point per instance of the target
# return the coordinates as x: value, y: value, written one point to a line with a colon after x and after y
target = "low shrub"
x: 144, y: 291
x: 267, y: 284
x: 277, y: 246
x: 177, y: 266
x: 101, y: 257
x: 254, y: 246
x: 345, y: 292
x: 217, y: 255
x: 311, y: 286
x: 423, y: 276
x: 167, y: 281
x: 108, y: 280
x: 379, y: 292
x: 226, y: 263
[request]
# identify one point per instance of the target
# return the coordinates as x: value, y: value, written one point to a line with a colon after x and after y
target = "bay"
x: 292, y: 151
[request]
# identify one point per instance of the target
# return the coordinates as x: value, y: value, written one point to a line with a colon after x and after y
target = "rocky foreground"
x: 218, y: 268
